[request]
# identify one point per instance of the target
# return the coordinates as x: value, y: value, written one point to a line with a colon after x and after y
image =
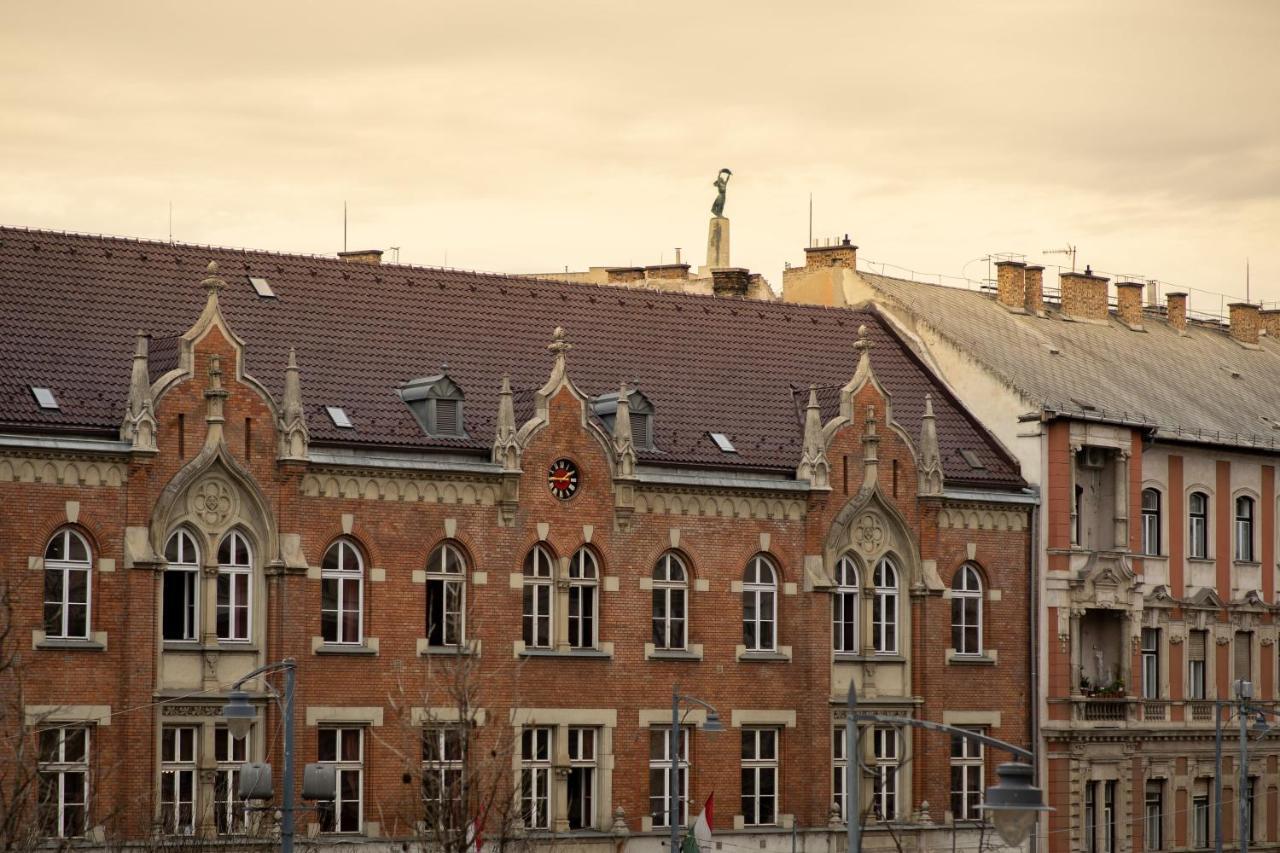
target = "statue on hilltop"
x: 721, y: 182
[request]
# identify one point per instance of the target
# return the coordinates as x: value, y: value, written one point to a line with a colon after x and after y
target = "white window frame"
x: 345, y: 769
x: 346, y: 567
x: 660, y: 768
x: 63, y: 569
x: 760, y: 605
x: 584, y: 600
x: 584, y: 774
x: 670, y: 585
x: 444, y: 748
x: 886, y: 781
x: 537, y: 749
x: 180, y: 804
x: 1150, y: 663
x: 1198, y: 526
x: 1151, y: 517
x: 538, y: 606
x: 845, y: 603
x: 1198, y: 670
x: 1153, y: 815
x: 230, y: 813
x: 760, y: 764
x: 839, y: 771
x: 447, y: 593
x: 182, y: 563
x: 1201, y: 821
x: 969, y: 760
x: 56, y: 768
x: 966, y: 592
x: 1244, y: 529
x: 884, y: 607
x: 229, y: 575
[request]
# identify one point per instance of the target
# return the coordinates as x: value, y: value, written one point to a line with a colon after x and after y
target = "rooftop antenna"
x: 1246, y: 279
x: 170, y: 222
x: 810, y: 220
x: 395, y: 249
x: 1069, y: 250
x: 344, y: 226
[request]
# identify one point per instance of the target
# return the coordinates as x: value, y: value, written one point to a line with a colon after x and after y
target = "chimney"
x: 1177, y: 311
x: 1033, y: 290
x: 1129, y: 303
x: 1270, y: 322
x: 624, y: 275
x: 1010, y: 280
x: 1084, y: 295
x: 730, y: 281
x: 1244, y: 322
x: 362, y: 256
x: 842, y: 254
x: 666, y: 271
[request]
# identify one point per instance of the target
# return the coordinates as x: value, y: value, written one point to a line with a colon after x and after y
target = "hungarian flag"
x: 698, y: 838
x: 475, y: 834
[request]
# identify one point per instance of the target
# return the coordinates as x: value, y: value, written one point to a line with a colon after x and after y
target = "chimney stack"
x: 362, y: 256
x: 1084, y: 295
x: 1010, y: 283
x: 842, y: 254
x: 625, y: 275
x: 1033, y: 290
x: 1244, y: 322
x: 666, y: 271
x: 1177, y: 311
x: 1270, y: 322
x: 1129, y: 303
x: 730, y: 281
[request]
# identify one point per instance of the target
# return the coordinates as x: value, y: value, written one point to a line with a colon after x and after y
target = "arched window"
x: 1150, y: 521
x: 1198, y: 526
x: 1244, y: 529
x: 181, y: 613
x: 235, y: 585
x: 670, y: 602
x: 539, y: 593
x: 759, y: 606
x: 884, y: 608
x: 446, y: 596
x: 966, y: 611
x: 584, y: 579
x: 342, y: 594
x: 67, y: 576
x: 844, y: 612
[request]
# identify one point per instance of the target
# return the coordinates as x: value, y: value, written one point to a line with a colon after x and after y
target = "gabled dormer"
x: 640, y: 416
x: 436, y: 403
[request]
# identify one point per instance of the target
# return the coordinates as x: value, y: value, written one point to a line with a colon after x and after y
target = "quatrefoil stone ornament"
x: 868, y: 534
x: 212, y: 502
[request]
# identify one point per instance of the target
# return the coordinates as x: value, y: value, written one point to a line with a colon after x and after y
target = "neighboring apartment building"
x: 490, y: 561
x: 1153, y: 442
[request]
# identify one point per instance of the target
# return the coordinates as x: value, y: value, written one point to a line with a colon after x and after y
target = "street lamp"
x: 1244, y: 692
x: 712, y: 724
x: 1014, y: 802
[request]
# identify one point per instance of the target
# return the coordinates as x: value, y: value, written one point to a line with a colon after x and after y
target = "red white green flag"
x: 698, y: 838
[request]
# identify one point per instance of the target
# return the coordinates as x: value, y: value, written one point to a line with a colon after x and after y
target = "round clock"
x: 562, y: 479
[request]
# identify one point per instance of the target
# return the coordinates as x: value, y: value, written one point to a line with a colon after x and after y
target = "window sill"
x: 1253, y: 564
x: 987, y: 658
x: 425, y: 649
x: 590, y: 654
x: 692, y: 653
x: 233, y: 646
x: 182, y: 646
x: 858, y: 657
x: 345, y: 649
x: 1208, y: 560
x: 66, y: 644
x: 780, y: 655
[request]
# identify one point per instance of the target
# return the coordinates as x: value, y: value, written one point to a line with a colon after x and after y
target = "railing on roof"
x: 1206, y: 436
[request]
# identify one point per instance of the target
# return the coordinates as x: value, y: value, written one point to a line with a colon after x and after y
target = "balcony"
x: 1107, y: 711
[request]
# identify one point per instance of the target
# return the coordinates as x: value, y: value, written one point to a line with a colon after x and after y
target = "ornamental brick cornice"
x: 62, y: 469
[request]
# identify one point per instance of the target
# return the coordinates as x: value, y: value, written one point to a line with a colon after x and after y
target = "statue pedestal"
x: 718, y: 242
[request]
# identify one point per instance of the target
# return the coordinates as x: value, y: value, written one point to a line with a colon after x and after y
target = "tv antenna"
x: 395, y: 249
x: 1069, y: 250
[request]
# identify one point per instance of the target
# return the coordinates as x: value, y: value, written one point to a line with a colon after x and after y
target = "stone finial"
x: 930, y: 457
x: 506, y: 447
x: 213, y: 283
x: 813, y: 461
x: 623, y: 446
x: 559, y: 345
x: 870, y: 450
x: 294, y: 437
x: 139, y: 426
x: 619, y: 826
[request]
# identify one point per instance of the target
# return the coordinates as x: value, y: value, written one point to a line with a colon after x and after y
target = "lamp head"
x: 713, y: 723
x: 1014, y: 803
x: 238, y: 713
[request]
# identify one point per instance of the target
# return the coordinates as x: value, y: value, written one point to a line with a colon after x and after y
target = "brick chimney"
x: 1084, y: 295
x: 1244, y: 322
x: 624, y: 275
x: 1177, y: 311
x: 666, y: 271
x: 1033, y: 290
x: 1010, y: 283
x: 362, y: 256
x: 842, y: 254
x: 1270, y: 322
x: 730, y: 281
x: 1129, y: 303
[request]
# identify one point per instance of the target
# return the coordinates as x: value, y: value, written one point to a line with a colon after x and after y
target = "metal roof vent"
x: 605, y: 407
x: 436, y: 403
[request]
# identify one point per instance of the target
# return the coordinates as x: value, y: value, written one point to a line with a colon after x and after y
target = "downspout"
x: 1033, y: 620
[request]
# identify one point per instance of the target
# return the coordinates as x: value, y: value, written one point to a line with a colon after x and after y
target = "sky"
x: 531, y: 137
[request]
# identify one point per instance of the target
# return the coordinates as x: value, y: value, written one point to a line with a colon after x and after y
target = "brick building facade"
x: 753, y: 501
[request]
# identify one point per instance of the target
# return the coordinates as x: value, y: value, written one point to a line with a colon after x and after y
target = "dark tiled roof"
x: 72, y: 304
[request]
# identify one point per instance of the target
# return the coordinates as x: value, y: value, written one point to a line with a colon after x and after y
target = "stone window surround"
x: 604, y: 720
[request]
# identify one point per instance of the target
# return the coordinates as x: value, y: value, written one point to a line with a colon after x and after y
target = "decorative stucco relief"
x: 409, y: 490
x: 212, y: 502
x: 63, y: 472
x: 981, y: 519
x: 719, y: 506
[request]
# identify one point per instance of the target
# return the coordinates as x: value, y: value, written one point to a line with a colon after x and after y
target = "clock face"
x: 562, y: 479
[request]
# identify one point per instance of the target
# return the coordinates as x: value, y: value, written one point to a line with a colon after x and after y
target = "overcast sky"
x: 528, y: 137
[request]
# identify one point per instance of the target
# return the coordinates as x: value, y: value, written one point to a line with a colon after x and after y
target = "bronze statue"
x: 722, y: 181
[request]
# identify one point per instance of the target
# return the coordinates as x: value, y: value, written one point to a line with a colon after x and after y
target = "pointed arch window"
x: 181, y: 595
x: 884, y: 608
x: 844, y: 617
x: 759, y: 606
x: 67, y: 579
x: 966, y: 611
x: 539, y: 594
x: 235, y: 588
x: 1244, y: 529
x: 342, y: 594
x: 446, y: 596
x: 584, y: 599
x: 670, y: 602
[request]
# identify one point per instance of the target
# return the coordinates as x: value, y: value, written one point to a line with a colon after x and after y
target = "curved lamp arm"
x: 968, y: 734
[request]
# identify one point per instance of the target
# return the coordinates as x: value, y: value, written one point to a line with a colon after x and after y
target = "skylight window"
x: 262, y: 287
x: 339, y: 417
x: 971, y: 459
x: 722, y: 441
x: 44, y: 398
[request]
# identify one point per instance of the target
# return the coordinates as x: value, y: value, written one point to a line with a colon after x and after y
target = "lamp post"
x: 1243, y: 692
x: 1014, y: 801
x: 240, y: 715
x: 711, y: 725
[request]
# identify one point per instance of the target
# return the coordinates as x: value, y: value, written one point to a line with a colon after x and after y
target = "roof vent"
x: 436, y: 402
x: 722, y: 441
x: 1088, y: 407
x: 339, y: 417
x: 605, y: 407
x: 44, y: 398
x: 262, y: 287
